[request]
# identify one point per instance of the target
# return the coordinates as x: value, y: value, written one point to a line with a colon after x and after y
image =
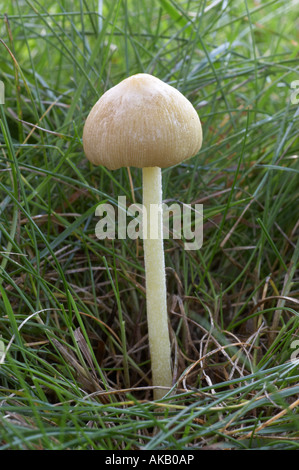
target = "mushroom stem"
x: 155, y: 280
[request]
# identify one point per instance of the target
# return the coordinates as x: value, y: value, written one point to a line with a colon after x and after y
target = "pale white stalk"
x: 156, y: 300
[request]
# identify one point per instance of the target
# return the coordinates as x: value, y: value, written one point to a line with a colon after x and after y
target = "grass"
x: 75, y: 371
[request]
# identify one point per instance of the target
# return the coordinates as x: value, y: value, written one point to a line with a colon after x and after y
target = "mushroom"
x: 145, y: 123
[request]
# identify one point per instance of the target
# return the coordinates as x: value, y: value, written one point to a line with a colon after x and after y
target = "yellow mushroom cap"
x: 141, y: 122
